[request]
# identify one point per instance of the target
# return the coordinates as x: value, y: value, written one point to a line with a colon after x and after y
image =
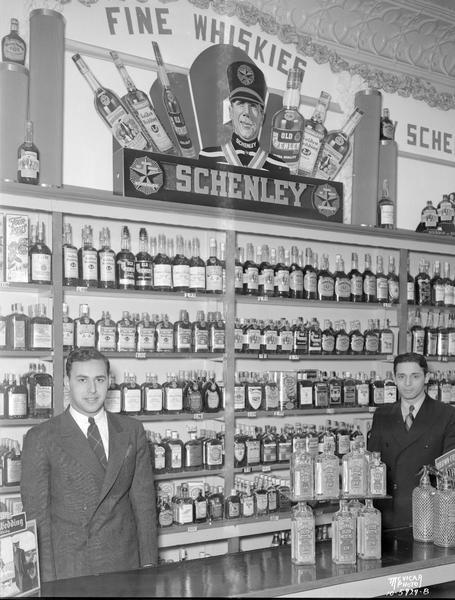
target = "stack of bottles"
x: 133, y: 333
x: 435, y: 290
x: 10, y: 462
x: 436, y: 339
x: 19, y: 331
x: 156, y: 266
x: 27, y: 395
x: 287, y: 274
x: 304, y: 337
x: 439, y: 219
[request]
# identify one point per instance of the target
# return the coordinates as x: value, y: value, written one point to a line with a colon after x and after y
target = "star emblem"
x: 146, y: 175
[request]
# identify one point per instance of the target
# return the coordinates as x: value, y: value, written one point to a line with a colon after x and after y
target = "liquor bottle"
x: 174, y: 455
x: 386, y: 208
x: 40, y: 258
x: 28, y: 158
x: 164, y: 506
x: 342, y: 282
x: 88, y: 259
x: 369, y: 281
x: 122, y: 124
x: 386, y: 339
x: 211, y: 394
x: 386, y: 126
x: 431, y: 336
x: 213, y: 271
x: 446, y: 215
x: 68, y: 328
x: 344, y: 532
x: 356, y: 279
x: 269, y: 337
x: 288, y: 123
x: 238, y: 270
x: 300, y: 337
x: 113, y: 401
x: 40, y: 329
x: 84, y: 329
x: 164, y: 335
x: 222, y: 258
x: 362, y: 390
x: 40, y: 394
x: 17, y: 328
x: 335, y: 148
x: 214, y: 452
x: 428, y: 218
x: 442, y: 336
x: 146, y: 334
x: 451, y: 340
x: 382, y: 284
x: 310, y: 276
x: 180, y: 268
x: 232, y: 505
x: 449, y: 286
x: 173, y: 394
x: 215, y: 504
x: 423, y: 284
x: 417, y: 334
x: 139, y: 104
x: 197, y: 269
x: 182, y: 333
x: 14, y: 49
x: 250, y: 273
x: 314, y: 337
x: 106, y: 261
x: 125, y: 263
x: 423, y: 508
x: 369, y: 532
x: 162, y: 267
x: 295, y: 275
x: 131, y: 395
x: 335, y: 386
x: 247, y: 501
x: 200, y: 508
x: 326, y: 282
x: 410, y: 286
x: 356, y: 338
x: 393, y: 282
x: 285, y: 337
x: 200, y: 333
x: 326, y: 474
x: 354, y: 473
x: 437, y: 285
x: 377, y: 476
x: 126, y: 333
x: 70, y: 273
x: 271, y: 392
x: 143, y: 264
x: 192, y: 452
x: 349, y: 396
x: 376, y: 389
x: 281, y: 275
x: 15, y: 399
x: 314, y: 133
x: 266, y: 274
x: 192, y: 394
x: 217, y: 333
x: 302, y: 475
x: 173, y: 108
x: 106, y: 333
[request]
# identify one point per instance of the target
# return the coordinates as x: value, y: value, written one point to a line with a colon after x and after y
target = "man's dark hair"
x: 411, y: 357
x: 84, y: 355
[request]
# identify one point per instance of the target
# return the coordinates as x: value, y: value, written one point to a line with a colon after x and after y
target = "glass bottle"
x: 390, y: 389
x: 126, y: 333
x: 423, y: 508
x: 146, y: 334
x: 269, y: 335
x: 342, y: 339
x: 40, y: 258
x: 417, y: 334
x: 200, y: 512
x: 354, y: 473
x: 328, y: 338
x: 106, y: 333
x: 371, y: 339
x: 213, y: 270
x: 216, y: 504
x: 14, y: 48
x: 192, y: 453
x: 386, y: 208
x: 173, y: 394
x: 344, y: 533
x: 84, y: 329
x: 422, y: 284
x: 281, y: 275
x: 197, y: 269
x: 192, y: 394
x: 356, y: 338
x: 200, y: 333
x: 232, y: 505
x: 393, y: 283
x: 182, y: 333
x: 143, y: 263
x: 40, y: 329
x: 238, y: 270
x: 326, y: 282
x: 446, y: 214
x: 106, y: 260
x: 68, y: 328
x: 386, y: 126
x: 382, y: 284
x: 17, y: 328
x: 444, y: 509
x: 285, y: 337
x: 271, y: 393
x: 113, y: 401
x: 162, y: 267
x: 28, y: 158
x: 125, y: 263
x: 314, y: 134
x: 16, y: 406
x: 369, y: 281
x: 40, y: 394
x: 326, y: 474
x: 174, y: 454
x: 295, y: 275
x: 302, y: 475
x: 428, y: 218
x: 164, y: 335
x: 377, y: 476
x: 69, y: 257
x: 130, y: 393
x: 211, y: 394
x: 356, y: 279
x: 310, y: 276
x: 266, y: 274
x: 151, y: 395
x: 88, y: 259
x: 342, y: 286
x: 369, y: 532
x: 217, y: 333
x: 180, y: 268
x: 449, y: 286
x: 250, y: 273
x: 410, y: 286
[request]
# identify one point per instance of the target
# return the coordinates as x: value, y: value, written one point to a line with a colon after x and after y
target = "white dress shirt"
x: 405, y: 407
x: 100, y: 420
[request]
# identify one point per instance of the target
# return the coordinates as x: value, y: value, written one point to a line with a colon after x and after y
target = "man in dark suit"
x: 87, y: 480
x: 409, y: 434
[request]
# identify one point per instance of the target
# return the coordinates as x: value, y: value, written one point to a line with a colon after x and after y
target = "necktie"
x: 94, y: 439
x: 409, y: 418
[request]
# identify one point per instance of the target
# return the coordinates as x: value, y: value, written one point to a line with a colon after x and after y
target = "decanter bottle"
x: 303, y: 535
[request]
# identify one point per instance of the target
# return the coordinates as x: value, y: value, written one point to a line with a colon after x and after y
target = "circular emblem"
x: 104, y: 99
x: 146, y: 175
x: 245, y: 74
x: 326, y: 200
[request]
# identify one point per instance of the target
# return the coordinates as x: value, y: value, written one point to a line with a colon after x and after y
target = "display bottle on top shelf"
x: 423, y: 508
x: 106, y: 333
x: 131, y: 395
x: 336, y: 148
x: 310, y: 277
x: 180, y: 267
x: 342, y: 283
x: 428, y: 218
x: 382, y: 283
x: 146, y: 334
x: 449, y: 286
x: 69, y: 257
x: 68, y: 329
x: 326, y: 282
x: 28, y: 158
x: 17, y: 328
x: 386, y: 126
x: 40, y: 396
x: 40, y: 329
x: 173, y: 108
x: 281, y: 275
x: 40, y: 258
x: 84, y: 328
x: 446, y: 214
x: 139, y: 104
x: 213, y: 270
x: 143, y: 263
x: 369, y: 281
x: 106, y: 261
x: 314, y: 134
x: 386, y: 208
x: 393, y: 282
x: 121, y: 123
x: 88, y: 259
x: 14, y: 48
x: 344, y: 534
x: 113, y: 401
x: 369, y: 523
x: 266, y: 274
x: 197, y: 269
x: 15, y: 399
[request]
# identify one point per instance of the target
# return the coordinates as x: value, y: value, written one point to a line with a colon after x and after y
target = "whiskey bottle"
x: 182, y: 333
x: 17, y: 328
x: 369, y: 282
x: 192, y: 394
x: 14, y: 48
x: 386, y: 126
x: 143, y: 263
x: 146, y: 334
x: 238, y: 270
x: 200, y: 333
x: 125, y: 263
x: 288, y: 123
x: 126, y: 333
x: 139, y: 104
x: 342, y: 286
x: 216, y: 504
x: 371, y: 339
x: 393, y: 282
x: 386, y: 208
x: 271, y: 393
x: 151, y: 395
x: 410, y: 286
x: 222, y: 259
x: 437, y: 285
x: 113, y: 401
x: 369, y: 532
x: 382, y: 283
x: 197, y: 269
x: 173, y: 108
x: 344, y: 534
x: 164, y: 335
x: 428, y: 218
x: 131, y: 395
x: 68, y: 329
x: 40, y: 258
x: 313, y: 136
x: 422, y: 284
x: 295, y: 275
x: 314, y: 337
x: 281, y: 275
x: 232, y: 505
x: 446, y: 215
x: 173, y: 395
x: 342, y: 339
x: 69, y: 257
x: 28, y: 158
x: 200, y: 512
x: 214, y: 453
x: 354, y: 473
x: 16, y: 406
x: 300, y: 337
x: 285, y: 337
x: 356, y: 338
x: 87, y: 259
x: 335, y: 390
x: 162, y: 267
x: 386, y: 339
x: 417, y: 334
x: 213, y: 271
x: 326, y: 282
x: 269, y: 337
x: 192, y: 453
x: 40, y: 396
x: 356, y: 279
x: 336, y: 147
x: 114, y: 114
x: 250, y: 273
x: 211, y: 395
x: 106, y: 261
x: 180, y: 268
x: 174, y: 455
x: 40, y: 330
x: 84, y: 329
x: 449, y: 286
x: 328, y: 338
x: 106, y: 333
x: 266, y: 274
x: 217, y: 333
x: 310, y: 276
x: 303, y: 537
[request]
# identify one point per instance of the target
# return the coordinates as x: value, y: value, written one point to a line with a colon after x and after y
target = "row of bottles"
x: 440, y: 218
x: 10, y: 462
x: 29, y: 395
x: 147, y: 334
x: 19, y: 331
x: 185, y: 392
x: 436, y: 338
x: 288, y: 274
x: 304, y: 337
x: 356, y: 533
x: 155, y: 267
x: 169, y: 454
x: 435, y: 290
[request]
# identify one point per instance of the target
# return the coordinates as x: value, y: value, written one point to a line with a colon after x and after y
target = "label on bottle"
x: 451, y: 345
x: 143, y: 273
x: 2, y: 405
x: 330, y: 159
x: 410, y: 292
x: 418, y: 341
x: 40, y: 335
x: 282, y: 281
x: 253, y: 451
x: 148, y: 118
x: 214, y: 278
x: 181, y: 276
x: 357, y: 285
x: 251, y: 279
x: 369, y: 285
x: 212, y: 399
x: 239, y: 451
x: 342, y: 343
x: 296, y: 281
x: 310, y: 283
x: 193, y: 455
x: 284, y: 451
x: 326, y: 287
x: 70, y: 266
x: 162, y: 275
x: 68, y: 333
x: 423, y: 291
x: 28, y: 164
x: 328, y: 343
x: 438, y: 291
x: 177, y: 121
x: 19, y: 338
x: 449, y: 294
x: 106, y: 338
x: 357, y: 343
x: 363, y: 394
x: 173, y: 399
x: 253, y: 339
x: 261, y: 502
x: 159, y: 457
x: 153, y: 399
x: 107, y: 266
x: 247, y: 506
x: 386, y: 340
x: 390, y: 394
x: 131, y: 400
x: 146, y: 338
x: 314, y: 341
x: 214, y: 456
x: 218, y: 340
x: 382, y: 289
x: 164, y: 339
x: 13, y: 49
x: 342, y: 288
x: 197, y: 278
x: 270, y: 340
x: 386, y: 213
x: 305, y: 395
x: 272, y: 397
x: 13, y: 471
x: 89, y: 265
x: 286, y: 341
x: 113, y: 401
x: 254, y: 396
x: 201, y: 340
x: 176, y: 456
x: 371, y: 343
x: 302, y: 482
x: 327, y: 479
x: 125, y: 270
x: 239, y: 339
x: 378, y: 395
x: 335, y: 393
x: 200, y: 509
x: 85, y: 335
x: 285, y: 143
x: 183, y: 341
x: 43, y: 396
x: 124, y: 127
x: 126, y: 338
x: 40, y: 267
x: 356, y: 476
x: 269, y: 454
x: 311, y: 144
x: 17, y: 404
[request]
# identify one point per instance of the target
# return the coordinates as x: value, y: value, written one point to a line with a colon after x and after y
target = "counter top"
x: 269, y: 572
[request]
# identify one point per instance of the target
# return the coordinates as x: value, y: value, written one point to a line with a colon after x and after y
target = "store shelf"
x: 140, y: 294
x: 301, y: 302
x: 440, y: 358
x: 20, y: 422
x: 204, y: 416
x: 186, y: 474
x: 300, y: 412
x: 312, y: 357
x: 216, y: 356
x: 44, y: 290
x: 12, y: 489
x: 262, y: 468
x: 41, y: 354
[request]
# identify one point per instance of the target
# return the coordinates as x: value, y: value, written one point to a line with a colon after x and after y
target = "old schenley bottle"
x: 313, y: 136
x: 139, y: 104
x: 123, y: 125
x: 288, y: 123
x: 14, y: 48
x: 143, y: 264
x: 124, y: 263
x: 173, y: 108
x: 28, y: 166
x: 386, y: 211
x: 335, y: 148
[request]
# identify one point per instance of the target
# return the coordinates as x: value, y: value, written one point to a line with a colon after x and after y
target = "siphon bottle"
x: 423, y: 508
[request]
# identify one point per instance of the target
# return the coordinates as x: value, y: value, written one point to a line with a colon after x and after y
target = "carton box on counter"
x: 16, y: 248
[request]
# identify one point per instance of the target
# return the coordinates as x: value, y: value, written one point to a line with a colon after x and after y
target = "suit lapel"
x: 422, y: 423
x: 397, y: 428
x: 118, y: 446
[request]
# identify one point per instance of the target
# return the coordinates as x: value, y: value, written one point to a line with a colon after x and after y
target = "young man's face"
x: 410, y: 379
x: 88, y: 383
x: 246, y: 118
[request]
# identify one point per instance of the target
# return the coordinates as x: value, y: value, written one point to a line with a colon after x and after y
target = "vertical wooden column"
x: 57, y: 281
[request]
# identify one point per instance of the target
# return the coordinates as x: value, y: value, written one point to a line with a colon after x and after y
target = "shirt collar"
x: 416, y: 404
x: 240, y: 144
x: 82, y: 420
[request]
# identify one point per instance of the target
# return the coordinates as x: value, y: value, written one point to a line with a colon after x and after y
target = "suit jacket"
x: 405, y: 452
x: 89, y: 520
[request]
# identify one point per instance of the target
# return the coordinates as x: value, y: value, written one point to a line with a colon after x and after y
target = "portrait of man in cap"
x: 247, y: 94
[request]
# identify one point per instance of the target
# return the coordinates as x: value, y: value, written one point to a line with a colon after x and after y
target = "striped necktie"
x: 409, y: 418
x: 94, y: 439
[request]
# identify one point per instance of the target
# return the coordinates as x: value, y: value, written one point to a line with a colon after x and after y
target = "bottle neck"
x: 86, y: 72
x: 291, y: 98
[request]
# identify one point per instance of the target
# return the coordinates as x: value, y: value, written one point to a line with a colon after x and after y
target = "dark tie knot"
x: 411, y: 409
x: 91, y: 420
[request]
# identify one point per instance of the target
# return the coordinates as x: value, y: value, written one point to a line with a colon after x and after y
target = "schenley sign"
x: 141, y: 174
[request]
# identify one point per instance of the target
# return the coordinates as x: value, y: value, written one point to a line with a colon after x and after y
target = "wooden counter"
x: 269, y: 572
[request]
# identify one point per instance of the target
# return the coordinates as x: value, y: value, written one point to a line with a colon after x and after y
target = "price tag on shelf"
x: 372, y: 409
x: 443, y: 358
x: 266, y: 468
x: 278, y: 413
x: 274, y: 517
x: 263, y: 356
x: 141, y: 355
x: 263, y: 298
x: 251, y: 415
x: 387, y: 305
x: 390, y: 357
x: 198, y: 416
x: 4, y: 284
x: 192, y: 529
x: 294, y: 357
x: 81, y: 288
x: 247, y: 469
x: 330, y: 411
x: 189, y: 294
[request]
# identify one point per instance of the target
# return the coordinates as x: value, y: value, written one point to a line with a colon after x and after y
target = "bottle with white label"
x: 162, y: 267
x: 40, y: 258
x: 303, y: 539
x: 17, y: 328
x: 69, y: 257
x: 313, y: 136
x: 113, y: 401
x: 106, y: 333
x: 152, y: 395
x: 28, y: 158
x: 165, y: 335
x: 125, y: 263
x: 386, y: 208
x: 40, y: 398
x: 173, y: 394
x: 16, y: 399
x: 213, y: 271
x: 126, y: 333
x: 106, y: 260
x: 88, y: 259
x: 84, y: 328
x: 344, y: 536
x: 146, y: 334
x: 40, y: 329
x: 131, y: 395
